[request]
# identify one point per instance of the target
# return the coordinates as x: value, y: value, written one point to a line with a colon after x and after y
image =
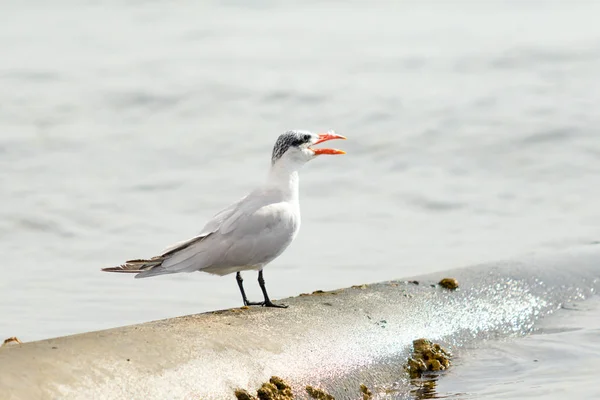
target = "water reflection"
x: 424, y: 388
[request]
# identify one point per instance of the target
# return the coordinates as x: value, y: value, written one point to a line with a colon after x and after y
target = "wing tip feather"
x: 136, y: 266
x: 122, y: 269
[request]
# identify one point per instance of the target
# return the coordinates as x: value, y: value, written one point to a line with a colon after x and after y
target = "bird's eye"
x: 306, y: 137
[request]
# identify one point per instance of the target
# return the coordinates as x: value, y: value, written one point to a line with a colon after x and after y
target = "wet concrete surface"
x: 334, y: 340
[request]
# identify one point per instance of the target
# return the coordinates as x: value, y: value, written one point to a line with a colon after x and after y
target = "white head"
x: 294, y: 147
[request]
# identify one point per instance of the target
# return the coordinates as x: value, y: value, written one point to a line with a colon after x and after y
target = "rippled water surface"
x: 557, y: 362
x: 124, y: 125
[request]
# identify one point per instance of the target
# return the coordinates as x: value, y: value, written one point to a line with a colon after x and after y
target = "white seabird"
x: 250, y: 233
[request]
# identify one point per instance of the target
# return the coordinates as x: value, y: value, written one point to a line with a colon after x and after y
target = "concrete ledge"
x: 335, y: 340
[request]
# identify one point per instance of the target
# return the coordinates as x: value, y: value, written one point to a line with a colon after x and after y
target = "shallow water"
x: 125, y: 125
x: 558, y: 361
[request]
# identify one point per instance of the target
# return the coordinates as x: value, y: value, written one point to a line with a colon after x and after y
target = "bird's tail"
x: 137, y: 266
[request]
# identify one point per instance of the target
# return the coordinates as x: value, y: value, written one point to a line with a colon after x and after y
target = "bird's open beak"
x: 323, y: 137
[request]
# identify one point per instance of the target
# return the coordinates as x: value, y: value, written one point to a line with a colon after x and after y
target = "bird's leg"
x: 240, y: 282
x: 267, y: 302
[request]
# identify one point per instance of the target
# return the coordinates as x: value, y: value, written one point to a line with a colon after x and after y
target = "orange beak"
x: 323, y: 137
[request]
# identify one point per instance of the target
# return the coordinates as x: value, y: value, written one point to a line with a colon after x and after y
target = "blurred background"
x: 125, y: 125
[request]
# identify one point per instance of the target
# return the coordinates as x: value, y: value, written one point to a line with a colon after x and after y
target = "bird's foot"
x: 254, y: 303
x: 265, y: 304
x: 269, y: 303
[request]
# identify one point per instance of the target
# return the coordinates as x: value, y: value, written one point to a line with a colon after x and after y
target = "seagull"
x: 250, y: 233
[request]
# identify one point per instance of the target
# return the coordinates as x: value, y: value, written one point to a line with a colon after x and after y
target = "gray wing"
x: 250, y: 233
x: 211, y: 226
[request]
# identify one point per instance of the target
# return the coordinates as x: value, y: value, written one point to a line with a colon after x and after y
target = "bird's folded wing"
x: 250, y: 232
x: 211, y: 226
x: 217, y: 221
x: 250, y: 216
x: 174, y: 248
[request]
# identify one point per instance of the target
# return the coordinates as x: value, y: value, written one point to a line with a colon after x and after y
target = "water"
x: 558, y: 361
x: 124, y: 126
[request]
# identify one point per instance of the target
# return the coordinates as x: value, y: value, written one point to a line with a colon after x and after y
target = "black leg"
x: 240, y: 281
x: 267, y: 302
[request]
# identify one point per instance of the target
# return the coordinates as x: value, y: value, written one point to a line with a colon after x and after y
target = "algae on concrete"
x: 319, y: 292
x: 278, y: 389
x: 242, y: 394
x: 11, y: 341
x: 275, y: 389
x: 449, y: 283
x: 427, y: 356
x: 366, y: 393
x: 318, y: 394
